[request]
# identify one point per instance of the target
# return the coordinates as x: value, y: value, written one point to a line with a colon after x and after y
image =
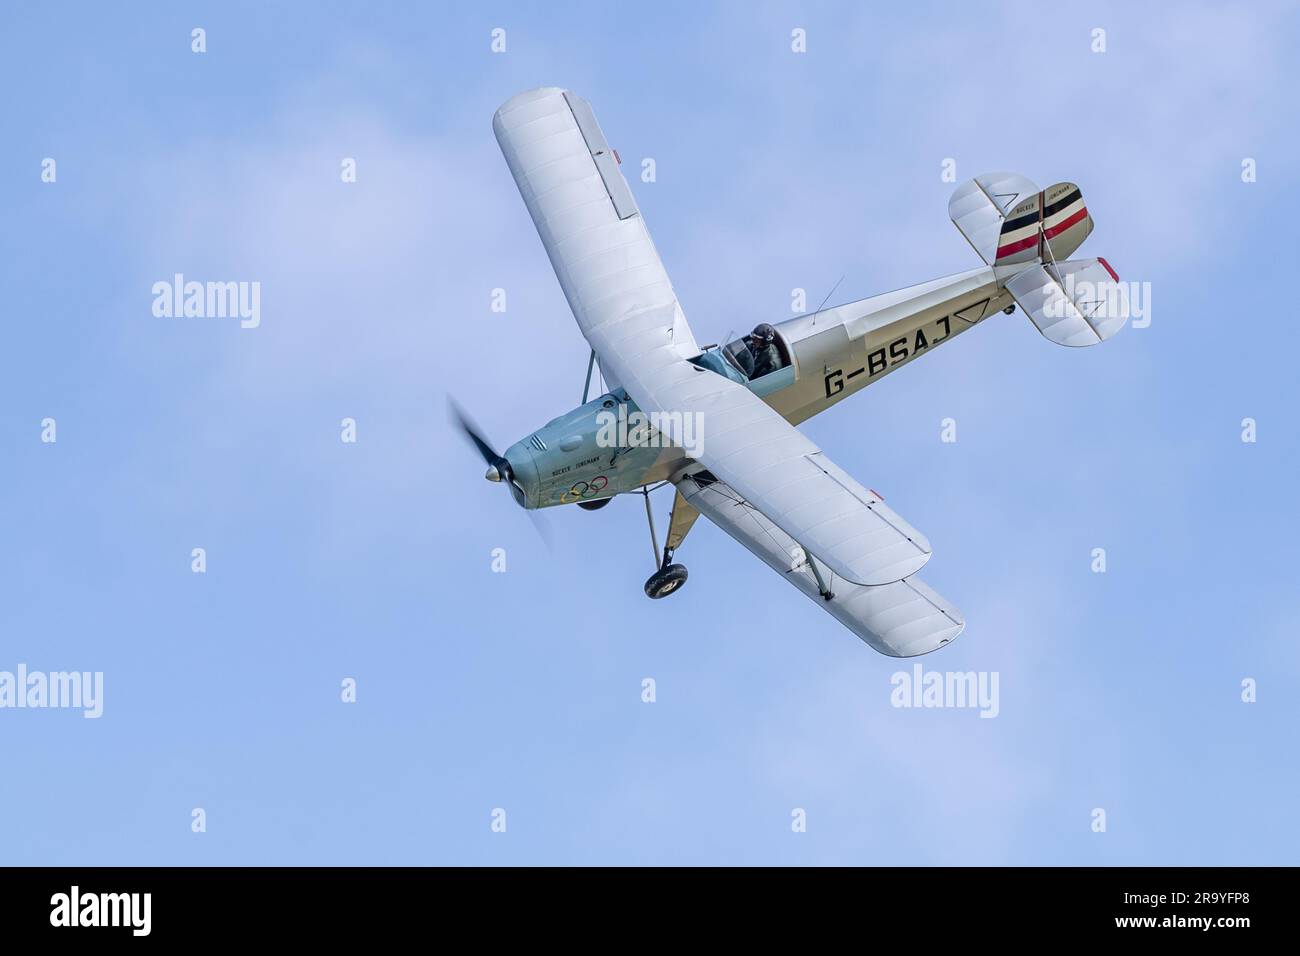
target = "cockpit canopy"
x: 763, y: 369
x: 756, y: 361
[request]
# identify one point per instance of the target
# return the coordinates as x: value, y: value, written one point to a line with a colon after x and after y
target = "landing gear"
x: 665, y: 581
x: 670, y: 577
x: 594, y: 505
x: 1009, y: 309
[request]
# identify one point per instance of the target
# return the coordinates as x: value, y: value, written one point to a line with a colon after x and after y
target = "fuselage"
x: 596, y: 450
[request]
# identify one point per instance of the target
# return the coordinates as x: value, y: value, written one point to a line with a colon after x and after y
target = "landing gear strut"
x: 669, y: 577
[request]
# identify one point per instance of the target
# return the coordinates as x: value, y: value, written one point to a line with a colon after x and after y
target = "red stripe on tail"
x: 1014, y: 247
x: 1065, y: 224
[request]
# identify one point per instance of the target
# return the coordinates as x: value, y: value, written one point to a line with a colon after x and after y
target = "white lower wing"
x: 902, y: 619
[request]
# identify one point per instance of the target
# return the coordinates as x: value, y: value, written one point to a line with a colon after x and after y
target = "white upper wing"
x: 626, y: 308
x: 780, y: 472
x: 591, y: 227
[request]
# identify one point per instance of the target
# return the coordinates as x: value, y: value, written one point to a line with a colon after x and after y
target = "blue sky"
x: 522, y: 690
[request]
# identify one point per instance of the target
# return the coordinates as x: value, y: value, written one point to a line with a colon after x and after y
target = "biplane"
x: 718, y: 422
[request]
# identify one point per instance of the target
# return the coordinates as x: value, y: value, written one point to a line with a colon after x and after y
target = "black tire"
x: 665, y: 581
x: 594, y: 505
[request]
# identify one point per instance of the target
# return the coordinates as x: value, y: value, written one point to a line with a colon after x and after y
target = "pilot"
x: 762, y: 346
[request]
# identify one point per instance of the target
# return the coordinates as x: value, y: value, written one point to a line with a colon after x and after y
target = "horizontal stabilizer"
x: 980, y: 207
x: 1072, y: 303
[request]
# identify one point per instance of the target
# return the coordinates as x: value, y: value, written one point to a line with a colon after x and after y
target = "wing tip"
x: 881, y: 576
x: 526, y: 97
x: 933, y: 642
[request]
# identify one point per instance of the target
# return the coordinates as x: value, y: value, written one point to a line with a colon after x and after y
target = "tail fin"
x: 1011, y: 222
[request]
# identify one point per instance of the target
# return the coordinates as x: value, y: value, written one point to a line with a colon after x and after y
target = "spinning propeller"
x: 498, y: 467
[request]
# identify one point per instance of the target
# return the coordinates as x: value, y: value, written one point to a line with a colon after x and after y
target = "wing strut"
x: 591, y: 365
x: 822, y: 589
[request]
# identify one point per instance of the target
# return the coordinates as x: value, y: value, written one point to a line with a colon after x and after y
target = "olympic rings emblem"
x: 585, y: 489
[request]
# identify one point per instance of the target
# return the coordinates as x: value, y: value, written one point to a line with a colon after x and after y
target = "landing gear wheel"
x: 665, y: 581
x: 594, y: 505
